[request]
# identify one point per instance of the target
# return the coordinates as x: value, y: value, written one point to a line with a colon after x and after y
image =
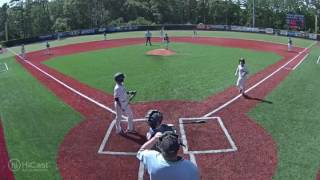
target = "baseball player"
x: 48, y: 48
x: 154, y: 118
x: 148, y: 36
x: 166, y: 41
x: 162, y: 33
x: 242, y: 72
x: 195, y: 33
x: 23, y: 51
x: 105, y: 35
x: 289, y: 44
x: 121, y: 103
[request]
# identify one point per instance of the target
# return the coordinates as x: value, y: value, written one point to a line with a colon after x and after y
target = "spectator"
x: 166, y: 164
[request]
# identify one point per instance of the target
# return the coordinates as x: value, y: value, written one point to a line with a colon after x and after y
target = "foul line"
x: 318, y: 60
x: 257, y: 84
x: 295, y: 67
x: 63, y: 84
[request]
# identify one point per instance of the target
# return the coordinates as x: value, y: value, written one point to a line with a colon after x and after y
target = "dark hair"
x: 169, y: 144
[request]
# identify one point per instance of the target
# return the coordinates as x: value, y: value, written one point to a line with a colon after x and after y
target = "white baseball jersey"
x: 120, y: 92
x: 242, y: 71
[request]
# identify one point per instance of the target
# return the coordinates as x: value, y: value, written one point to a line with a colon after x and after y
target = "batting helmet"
x: 119, y: 77
x: 242, y: 60
x: 154, y: 118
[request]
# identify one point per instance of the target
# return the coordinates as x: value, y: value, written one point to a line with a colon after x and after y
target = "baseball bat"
x: 195, y: 122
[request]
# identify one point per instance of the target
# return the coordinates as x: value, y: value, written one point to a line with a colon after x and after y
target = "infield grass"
x: 194, y: 73
x: 293, y: 121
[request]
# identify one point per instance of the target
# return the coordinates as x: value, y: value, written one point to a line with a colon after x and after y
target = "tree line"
x: 29, y: 18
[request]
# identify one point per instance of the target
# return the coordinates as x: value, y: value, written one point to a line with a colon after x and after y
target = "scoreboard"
x: 295, y: 21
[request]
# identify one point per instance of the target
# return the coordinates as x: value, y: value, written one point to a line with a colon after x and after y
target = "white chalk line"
x: 318, y: 60
x: 107, y: 135
x: 295, y: 67
x: 141, y: 171
x: 233, y: 145
x: 193, y: 158
x: 5, y: 67
x: 257, y: 84
x: 5, y: 64
x: 63, y: 84
x: 183, y: 137
x: 185, y: 141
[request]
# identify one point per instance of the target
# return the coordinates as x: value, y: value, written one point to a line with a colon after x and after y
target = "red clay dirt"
x: 161, y: 52
x: 5, y: 172
x: 256, y: 157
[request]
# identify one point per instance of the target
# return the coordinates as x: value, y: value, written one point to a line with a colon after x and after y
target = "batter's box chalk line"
x: 3, y: 67
x: 107, y: 136
x: 186, y: 150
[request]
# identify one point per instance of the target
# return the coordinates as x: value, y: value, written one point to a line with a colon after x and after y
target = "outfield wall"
x: 200, y: 26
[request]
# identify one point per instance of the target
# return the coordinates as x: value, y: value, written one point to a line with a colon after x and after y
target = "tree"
x: 61, y: 25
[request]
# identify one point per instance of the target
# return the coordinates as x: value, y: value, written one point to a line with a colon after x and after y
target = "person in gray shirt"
x: 166, y: 164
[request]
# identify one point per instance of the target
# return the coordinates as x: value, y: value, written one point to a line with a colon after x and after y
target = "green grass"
x: 194, y: 73
x: 238, y: 35
x: 293, y: 121
x: 35, y: 121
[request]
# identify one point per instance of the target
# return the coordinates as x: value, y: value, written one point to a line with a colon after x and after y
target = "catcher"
x: 122, y: 97
x: 155, y: 118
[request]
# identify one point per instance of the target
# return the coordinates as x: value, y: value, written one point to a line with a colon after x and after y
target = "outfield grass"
x: 34, y: 120
x: 293, y: 121
x: 194, y: 73
x: 237, y: 35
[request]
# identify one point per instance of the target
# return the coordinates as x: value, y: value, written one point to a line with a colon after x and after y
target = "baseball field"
x: 57, y: 112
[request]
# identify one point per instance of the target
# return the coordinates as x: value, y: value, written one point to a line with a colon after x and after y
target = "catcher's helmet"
x: 119, y: 77
x: 154, y: 118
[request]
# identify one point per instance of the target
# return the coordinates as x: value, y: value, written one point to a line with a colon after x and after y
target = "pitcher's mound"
x: 160, y: 52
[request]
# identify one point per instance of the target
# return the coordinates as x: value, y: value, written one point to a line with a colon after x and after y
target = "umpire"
x: 166, y: 164
x: 148, y: 36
